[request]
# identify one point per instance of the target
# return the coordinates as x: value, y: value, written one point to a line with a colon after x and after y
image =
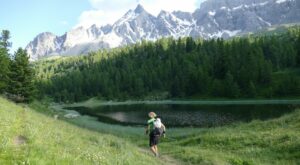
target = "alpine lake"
x: 188, y: 113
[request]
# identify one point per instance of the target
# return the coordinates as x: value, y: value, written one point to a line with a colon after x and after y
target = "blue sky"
x: 27, y: 18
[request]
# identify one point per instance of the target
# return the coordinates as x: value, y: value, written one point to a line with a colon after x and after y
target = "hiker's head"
x: 151, y: 114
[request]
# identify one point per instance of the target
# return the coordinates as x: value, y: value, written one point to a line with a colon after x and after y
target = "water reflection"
x: 176, y: 115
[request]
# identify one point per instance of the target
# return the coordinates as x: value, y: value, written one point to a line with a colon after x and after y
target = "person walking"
x: 155, y: 128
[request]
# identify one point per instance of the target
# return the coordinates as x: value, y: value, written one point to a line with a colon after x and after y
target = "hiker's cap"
x: 151, y: 114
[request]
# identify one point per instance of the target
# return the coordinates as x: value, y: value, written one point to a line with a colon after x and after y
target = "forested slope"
x: 242, y: 67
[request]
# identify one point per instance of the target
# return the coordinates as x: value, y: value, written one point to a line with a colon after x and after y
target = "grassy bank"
x: 271, y: 142
x: 28, y: 137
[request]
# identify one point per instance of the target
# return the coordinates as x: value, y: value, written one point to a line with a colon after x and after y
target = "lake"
x: 182, y: 114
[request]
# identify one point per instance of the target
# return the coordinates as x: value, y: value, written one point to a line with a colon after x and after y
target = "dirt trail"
x: 167, y: 160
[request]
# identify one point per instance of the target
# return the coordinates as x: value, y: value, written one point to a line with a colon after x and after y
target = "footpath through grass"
x: 28, y: 137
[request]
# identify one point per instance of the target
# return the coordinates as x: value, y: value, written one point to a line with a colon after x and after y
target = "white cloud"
x: 108, y: 5
x: 64, y: 23
x: 108, y: 11
x: 155, y: 6
x: 90, y: 17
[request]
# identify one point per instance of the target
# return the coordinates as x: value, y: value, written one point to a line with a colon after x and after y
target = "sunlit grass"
x: 275, y: 141
x: 50, y: 141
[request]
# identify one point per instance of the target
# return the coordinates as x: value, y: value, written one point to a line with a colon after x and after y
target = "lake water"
x: 182, y: 115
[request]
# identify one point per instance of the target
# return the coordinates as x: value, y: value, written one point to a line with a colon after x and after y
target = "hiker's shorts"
x: 154, y: 140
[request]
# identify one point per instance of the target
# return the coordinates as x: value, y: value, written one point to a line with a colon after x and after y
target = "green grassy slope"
x: 27, y: 137
x: 259, y: 142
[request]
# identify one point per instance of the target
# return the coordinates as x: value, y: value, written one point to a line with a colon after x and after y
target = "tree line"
x: 242, y: 67
x: 16, y: 73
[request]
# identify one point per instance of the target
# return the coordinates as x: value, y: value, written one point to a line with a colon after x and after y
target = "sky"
x: 25, y: 19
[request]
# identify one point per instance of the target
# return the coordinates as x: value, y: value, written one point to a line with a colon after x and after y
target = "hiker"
x: 155, y: 129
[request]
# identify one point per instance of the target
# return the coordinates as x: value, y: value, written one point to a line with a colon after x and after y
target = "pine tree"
x: 217, y: 88
x: 231, y: 89
x: 298, y: 50
x: 251, y: 91
x: 21, y: 77
x: 175, y: 88
x: 5, y: 36
x: 266, y: 73
x: 190, y: 44
x: 4, y: 60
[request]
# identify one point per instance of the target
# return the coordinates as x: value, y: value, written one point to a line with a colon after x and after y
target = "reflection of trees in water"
x: 188, y: 115
x: 190, y: 118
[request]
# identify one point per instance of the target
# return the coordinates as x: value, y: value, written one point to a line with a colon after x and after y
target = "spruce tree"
x: 298, y: 50
x: 231, y: 89
x: 5, y: 36
x: 4, y: 60
x: 21, y: 77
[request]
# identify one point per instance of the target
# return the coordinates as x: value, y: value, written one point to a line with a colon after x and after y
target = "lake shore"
x: 94, y: 102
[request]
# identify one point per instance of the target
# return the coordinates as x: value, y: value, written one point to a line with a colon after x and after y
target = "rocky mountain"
x: 214, y: 18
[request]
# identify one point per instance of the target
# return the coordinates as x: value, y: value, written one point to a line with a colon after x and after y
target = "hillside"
x: 28, y: 137
x: 243, y: 67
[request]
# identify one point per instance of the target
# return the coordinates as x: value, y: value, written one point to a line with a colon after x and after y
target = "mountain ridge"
x: 214, y: 19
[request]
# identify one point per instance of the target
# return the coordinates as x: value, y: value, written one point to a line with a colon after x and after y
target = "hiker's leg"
x: 152, y: 144
x: 156, y: 149
x: 153, y: 150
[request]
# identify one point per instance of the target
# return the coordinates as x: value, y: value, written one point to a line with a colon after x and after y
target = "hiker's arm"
x: 164, y: 129
x: 147, y: 129
x: 163, y: 126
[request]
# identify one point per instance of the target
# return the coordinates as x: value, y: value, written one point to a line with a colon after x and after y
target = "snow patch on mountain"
x: 280, y: 1
x: 212, y: 13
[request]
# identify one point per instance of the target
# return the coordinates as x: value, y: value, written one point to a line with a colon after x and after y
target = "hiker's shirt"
x: 151, y: 124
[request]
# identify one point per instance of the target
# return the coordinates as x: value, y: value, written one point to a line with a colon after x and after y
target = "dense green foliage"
x: 16, y: 73
x: 247, y: 67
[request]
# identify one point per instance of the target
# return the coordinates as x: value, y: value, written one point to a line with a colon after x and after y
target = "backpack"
x: 157, y: 123
x: 158, y: 130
